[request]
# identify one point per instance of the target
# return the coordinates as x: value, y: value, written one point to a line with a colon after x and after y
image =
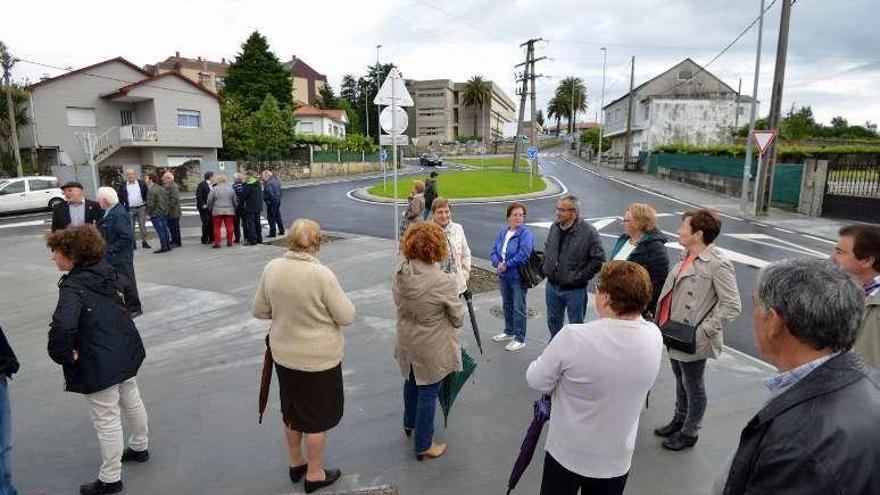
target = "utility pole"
x: 532, y: 96
x: 747, y: 166
x: 7, y: 62
x: 528, y: 74
x: 736, y: 108
x: 602, y: 108
x: 378, y: 112
x: 627, y: 151
x: 765, y: 176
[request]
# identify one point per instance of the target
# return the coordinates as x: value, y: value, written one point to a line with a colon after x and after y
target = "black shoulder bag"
x: 531, y: 272
x: 681, y: 336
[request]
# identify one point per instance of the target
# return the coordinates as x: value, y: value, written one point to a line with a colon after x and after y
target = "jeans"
x: 237, y: 222
x: 426, y: 213
x: 226, y: 222
x: 139, y: 214
x: 107, y: 408
x: 419, y: 405
x: 253, y: 229
x: 207, y: 227
x: 513, y: 297
x: 160, y: 223
x: 273, y: 215
x: 557, y: 480
x: 558, y: 300
x: 6, y: 487
x: 690, y: 394
x: 174, y: 230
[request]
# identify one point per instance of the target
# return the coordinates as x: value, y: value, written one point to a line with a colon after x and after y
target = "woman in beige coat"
x: 428, y: 349
x: 700, y: 291
x: 415, y: 209
x: 307, y: 307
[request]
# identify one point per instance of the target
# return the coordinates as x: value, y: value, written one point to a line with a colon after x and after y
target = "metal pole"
x: 517, y: 145
x: 747, y: 166
x: 394, y: 159
x: 8, y: 62
x: 627, y: 151
x: 379, y: 108
x: 602, y: 108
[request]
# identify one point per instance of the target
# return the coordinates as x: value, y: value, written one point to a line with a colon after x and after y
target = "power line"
x: 461, y: 18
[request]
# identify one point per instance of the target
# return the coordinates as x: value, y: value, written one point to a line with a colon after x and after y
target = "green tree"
x: 234, y: 118
x: 571, y: 98
x: 19, y: 103
x: 539, y: 117
x: 270, y: 131
x: 255, y: 73
x: 355, y: 125
x: 477, y: 92
x: 590, y: 138
x: 839, y: 122
x: 799, y: 124
x: 553, y: 111
x: 327, y: 98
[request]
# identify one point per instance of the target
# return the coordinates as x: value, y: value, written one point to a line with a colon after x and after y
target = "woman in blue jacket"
x: 511, y: 250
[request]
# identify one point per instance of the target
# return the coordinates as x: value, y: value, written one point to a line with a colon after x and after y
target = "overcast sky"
x: 833, y: 62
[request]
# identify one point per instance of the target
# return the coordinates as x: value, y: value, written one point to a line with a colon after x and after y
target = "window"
x: 81, y: 117
x: 647, y: 113
x: 16, y: 187
x: 307, y: 127
x: 125, y: 117
x: 42, y: 184
x: 685, y: 74
x: 189, y: 119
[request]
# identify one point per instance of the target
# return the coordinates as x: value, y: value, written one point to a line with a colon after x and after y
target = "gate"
x: 852, y: 188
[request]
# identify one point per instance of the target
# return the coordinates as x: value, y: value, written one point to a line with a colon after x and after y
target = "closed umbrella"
x: 469, y: 299
x: 453, y: 383
x: 265, y: 381
x: 527, y: 450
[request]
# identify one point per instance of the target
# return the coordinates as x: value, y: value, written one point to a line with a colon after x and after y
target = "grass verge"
x: 476, y: 184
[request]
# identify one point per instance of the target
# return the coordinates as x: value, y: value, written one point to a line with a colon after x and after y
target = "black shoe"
x: 131, y: 455
x: 99, y: 487
x: 270, y: 235
x: 164, y: 250
x: 330, y: 477
x: 679, y: 441
x: 215, y: 246
x: 133, y: 315
x: 145, y: 245
x: 296, y: 473
x: 668, y: 430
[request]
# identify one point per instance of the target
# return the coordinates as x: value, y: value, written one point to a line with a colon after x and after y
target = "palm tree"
x: 553, y: 110
x: 477, y: 92
x: 571, y: 92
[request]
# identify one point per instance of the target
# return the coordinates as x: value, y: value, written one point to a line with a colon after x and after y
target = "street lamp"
x: 602, y: 108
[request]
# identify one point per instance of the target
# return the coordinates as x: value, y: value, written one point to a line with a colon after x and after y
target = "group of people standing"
x: 237, y: 207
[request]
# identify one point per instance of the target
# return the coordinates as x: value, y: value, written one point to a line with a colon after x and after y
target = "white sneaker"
x: 514, y: 346
x: 502, y: 337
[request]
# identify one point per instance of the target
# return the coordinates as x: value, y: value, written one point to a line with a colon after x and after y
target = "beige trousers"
x: 107, y: 408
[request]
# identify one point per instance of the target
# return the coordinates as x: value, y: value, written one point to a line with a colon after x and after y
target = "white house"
x: 312, y: 120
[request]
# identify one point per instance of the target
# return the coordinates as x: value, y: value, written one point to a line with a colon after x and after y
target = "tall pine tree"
x: 255, y: 73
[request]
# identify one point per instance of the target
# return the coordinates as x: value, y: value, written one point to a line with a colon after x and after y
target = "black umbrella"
x: 527, y: 450
x: 469, y: 299
x: 453, y: 383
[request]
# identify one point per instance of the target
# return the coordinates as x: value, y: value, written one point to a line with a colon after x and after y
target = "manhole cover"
x: 498, y: 312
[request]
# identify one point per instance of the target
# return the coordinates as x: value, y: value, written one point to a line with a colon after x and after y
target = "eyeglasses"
x: 565, y: 209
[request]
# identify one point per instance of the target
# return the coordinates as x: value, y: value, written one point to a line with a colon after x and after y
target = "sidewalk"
x: 200, y: 383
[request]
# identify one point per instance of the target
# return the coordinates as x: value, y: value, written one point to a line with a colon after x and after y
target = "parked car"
x: 430, y: 160
x: 29, y: 193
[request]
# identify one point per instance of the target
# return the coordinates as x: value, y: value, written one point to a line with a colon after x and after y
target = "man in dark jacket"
x: 77, y: 210
x: 133, y: 196
x: 174, y: 211
x: 573, y: 255
x: 252, y: 198
x: 237, y: 222
x: 157, y: 209
x: 8, y: 367
x: 272, y: 197
x: 202, y: 191
x: 818, y: 434
x: 119, y: 246
x: 430, y: 193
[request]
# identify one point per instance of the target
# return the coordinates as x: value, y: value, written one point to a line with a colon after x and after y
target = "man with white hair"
x: 272, y: 196
x: 133, y: 196
x: 116, y: 228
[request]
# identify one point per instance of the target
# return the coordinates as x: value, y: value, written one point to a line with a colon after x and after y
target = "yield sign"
x: 393, y: 88
x: 763, y: 140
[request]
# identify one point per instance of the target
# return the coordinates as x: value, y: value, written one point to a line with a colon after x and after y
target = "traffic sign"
x: 400, y: 140
x: 393, y: 88
x: 763, y: 140
x: 532, y: 152
x: 401, y: 120
x: 383, y: 156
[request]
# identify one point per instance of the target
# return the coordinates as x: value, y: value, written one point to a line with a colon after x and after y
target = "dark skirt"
x: 311, y: 401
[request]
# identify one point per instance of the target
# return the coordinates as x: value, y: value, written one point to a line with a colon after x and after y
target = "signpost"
x: 383, y: 157
x: 762, y: 142
x: 532, y: 154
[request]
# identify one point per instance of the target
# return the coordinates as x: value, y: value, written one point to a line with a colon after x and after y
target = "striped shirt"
x: 872, y: 288
x: 780, y: 382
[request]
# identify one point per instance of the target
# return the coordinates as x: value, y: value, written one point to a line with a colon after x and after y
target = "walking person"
x: 133, y: 196
x: 413, y: 213
x: 599, y: 374
x: 8, y: 367
x: 174, y: 211
x: 307, y: 307
x: 119, y: 247
x: 430, y: 193
x: 157, y: 209
x: 252, y: 197
x: 858, y: 252
x: 643, y: 243
x: 222, y: 202
x: 512, y: 249
x: 700, y: 291
x: 428, y: 312
x: 76, y: 210
x: 458, y: 259
x: 202, y: 191
x: 238, y: 221
x: 272, y: 196
x: 817, y: 434
x: 100, y: 351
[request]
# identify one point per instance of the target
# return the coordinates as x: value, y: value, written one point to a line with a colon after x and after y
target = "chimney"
x: 200, y: 58
x: 223, y: 60
x: 177, y: 54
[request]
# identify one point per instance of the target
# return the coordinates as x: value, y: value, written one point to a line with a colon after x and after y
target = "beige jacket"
x: 461, y: 256
x: 307, y: 306
x: 868, y: 341
x: 709, y: 279
x: 428, y: 312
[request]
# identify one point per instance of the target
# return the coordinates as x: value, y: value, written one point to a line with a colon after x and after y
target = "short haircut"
x: 866, y: 242
x: 424, y: 241
x: 82, y: 245
x: 305, y: 235
x: 644, y: 216
x: 238, y: 176
x: 221, y: 179
x: 706, y: 221
x: 208, y: 175
x: 168, y: 174
x: 820, y: 303
x: 440, y: 202
x: 513, y: 206
x: 153, y: 178
x: 627, y: 285
x: 573, y: 201
x: 419, y: 186
x: 107, y: 193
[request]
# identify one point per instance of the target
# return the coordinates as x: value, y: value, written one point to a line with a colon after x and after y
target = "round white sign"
x: 401, y: 121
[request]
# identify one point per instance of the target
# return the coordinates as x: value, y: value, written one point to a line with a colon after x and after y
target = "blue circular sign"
x: 533, y: 152
x: 383, y: 156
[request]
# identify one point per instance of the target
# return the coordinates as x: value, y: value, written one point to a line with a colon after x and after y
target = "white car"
x: 29, y: 193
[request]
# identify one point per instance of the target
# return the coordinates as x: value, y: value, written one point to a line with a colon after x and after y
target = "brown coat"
x: 428, y: 312
x: 868, y: 341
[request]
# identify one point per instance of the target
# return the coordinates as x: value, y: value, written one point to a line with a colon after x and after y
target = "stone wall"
x: 717, y: 183
x: 296, y: 170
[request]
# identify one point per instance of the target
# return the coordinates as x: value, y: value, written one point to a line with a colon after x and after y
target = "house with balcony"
x: 320, y: 122
x: 124, y: 115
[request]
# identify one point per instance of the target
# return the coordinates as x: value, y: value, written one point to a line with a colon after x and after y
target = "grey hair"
x: 107, y: 193
x: 573, y: 201
x: 820, y: 303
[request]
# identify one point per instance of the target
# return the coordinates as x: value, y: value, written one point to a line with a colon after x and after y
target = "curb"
x: 555, y: 187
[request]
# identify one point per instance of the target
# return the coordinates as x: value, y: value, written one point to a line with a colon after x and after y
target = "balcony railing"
x: 138, y: 133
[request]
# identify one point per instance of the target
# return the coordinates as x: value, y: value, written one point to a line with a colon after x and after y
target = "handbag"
x: 682, y: 336
x: 531, y: 272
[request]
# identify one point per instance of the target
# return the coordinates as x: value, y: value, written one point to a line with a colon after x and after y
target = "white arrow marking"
x: 766, y: 240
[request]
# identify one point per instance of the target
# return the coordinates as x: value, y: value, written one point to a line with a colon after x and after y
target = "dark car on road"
x: 430, y: 160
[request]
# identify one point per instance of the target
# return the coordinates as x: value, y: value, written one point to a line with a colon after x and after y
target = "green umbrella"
x: 453, y: 383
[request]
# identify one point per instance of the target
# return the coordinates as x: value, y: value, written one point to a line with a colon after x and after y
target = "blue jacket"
x: 116, y: 229
x: 272, y: 190
x: 519, y: 248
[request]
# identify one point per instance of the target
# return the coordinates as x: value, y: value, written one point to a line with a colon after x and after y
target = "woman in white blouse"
x: 599, y: 374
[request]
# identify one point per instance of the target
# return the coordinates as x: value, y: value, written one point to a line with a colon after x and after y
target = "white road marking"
x: 31, y: 223
x: 733, y: 255
x: 826, y: 241
x: 767, y: 240
x: 784, y: 230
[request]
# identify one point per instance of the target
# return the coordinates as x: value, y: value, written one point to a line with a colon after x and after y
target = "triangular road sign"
x: 763, y: 140
x: 401, y: 95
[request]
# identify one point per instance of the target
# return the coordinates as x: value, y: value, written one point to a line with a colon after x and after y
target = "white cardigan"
x: 462, y: 255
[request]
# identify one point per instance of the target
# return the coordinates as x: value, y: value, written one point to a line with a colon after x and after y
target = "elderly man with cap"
x: 77, y: 210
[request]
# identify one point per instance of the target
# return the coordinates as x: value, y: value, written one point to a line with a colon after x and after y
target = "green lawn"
x: 495, y: 161
x: 477, y: 184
